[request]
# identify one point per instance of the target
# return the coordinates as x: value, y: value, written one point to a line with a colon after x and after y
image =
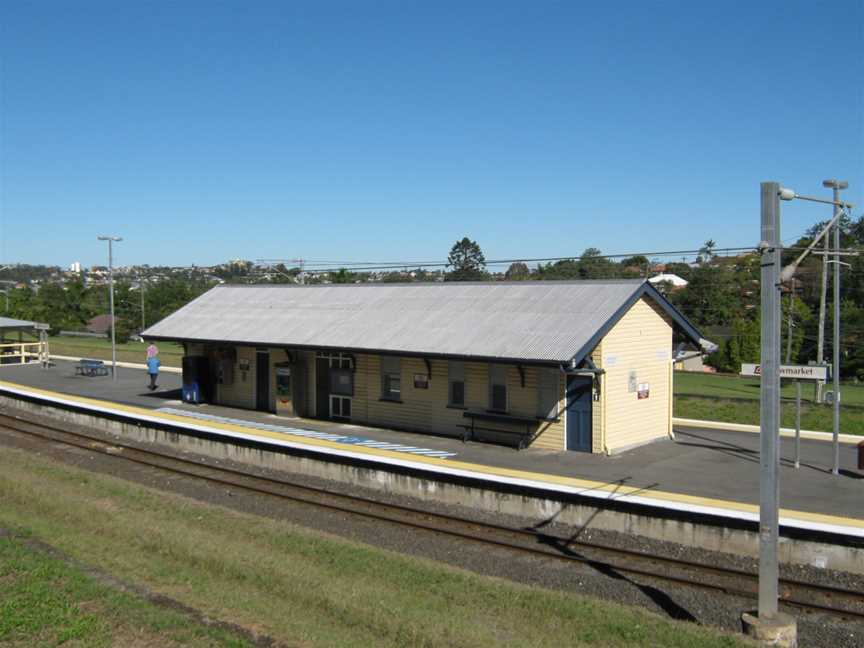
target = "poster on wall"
x: 643, y: 391
x: 421, y: 381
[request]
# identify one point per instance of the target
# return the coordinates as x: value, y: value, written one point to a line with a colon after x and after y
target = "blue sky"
x: 386, y: 130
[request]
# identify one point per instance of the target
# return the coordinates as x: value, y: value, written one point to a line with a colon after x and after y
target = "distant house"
x: 100, y: 324
x: 674, y: 280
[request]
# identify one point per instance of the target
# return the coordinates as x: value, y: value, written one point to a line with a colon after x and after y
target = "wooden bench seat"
x: 522, y: 436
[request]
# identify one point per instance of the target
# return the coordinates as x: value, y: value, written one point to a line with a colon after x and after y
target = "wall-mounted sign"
x: 799, y: 372
x: 632, y: 382
x: 244, y: 364
x: 421, y: 381
x: 643, y: 391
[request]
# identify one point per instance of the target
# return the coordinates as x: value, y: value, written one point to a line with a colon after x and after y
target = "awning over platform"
x: 528, y: 321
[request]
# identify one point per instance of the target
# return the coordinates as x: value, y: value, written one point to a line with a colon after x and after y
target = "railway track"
x: 619, y: 562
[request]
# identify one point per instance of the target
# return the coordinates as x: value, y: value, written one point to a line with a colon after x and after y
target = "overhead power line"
x: 399, y: 265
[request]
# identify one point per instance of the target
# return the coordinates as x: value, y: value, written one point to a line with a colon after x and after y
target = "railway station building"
x: 572, y: 365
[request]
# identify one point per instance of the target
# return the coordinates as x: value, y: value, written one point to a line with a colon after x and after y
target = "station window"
x: 338, y: 360
x: 547, y: 393
x: 456, y: 384
x: 498, y: 388
x: 391, y: 378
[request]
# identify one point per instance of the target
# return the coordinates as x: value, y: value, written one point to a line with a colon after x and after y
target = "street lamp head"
x: 835, y: 184
x: 109, y: 238
x: 787, y: 194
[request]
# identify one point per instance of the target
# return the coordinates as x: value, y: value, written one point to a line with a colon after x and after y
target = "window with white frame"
x: 547, y: 393
x: 391, y: 378
x: 456, y: 384
x: 498, y: 388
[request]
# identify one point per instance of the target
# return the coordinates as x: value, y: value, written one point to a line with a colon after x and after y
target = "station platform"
x: 710, y: 471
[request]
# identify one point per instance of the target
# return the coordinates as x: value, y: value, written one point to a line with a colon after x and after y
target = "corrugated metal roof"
x: 11, y: 323
x: 544, y: 321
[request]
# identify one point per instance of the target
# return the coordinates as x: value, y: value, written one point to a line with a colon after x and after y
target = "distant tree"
x: 711, y: 298
x: 856, y: 231
x: 342, y: 277
x: 52, y: 305
x: 164, y: 297
x: 706, y: 252
x: 517, y: 271
x: 801, y: 317
x: 593, y: 265
x: 683, y: 270
x: 122, y: 331
x: 634, y: 266
x: 564, y: 269
x: 741, y: 346
x: 467, y: 260
x: 396, y: 277
x: 852, y: 327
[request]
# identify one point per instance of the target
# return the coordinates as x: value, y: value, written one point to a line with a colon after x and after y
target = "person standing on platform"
x: 153, y: 368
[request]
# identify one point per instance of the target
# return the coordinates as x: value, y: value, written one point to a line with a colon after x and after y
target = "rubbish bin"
x: 191, y: 393
x: 196, y: 372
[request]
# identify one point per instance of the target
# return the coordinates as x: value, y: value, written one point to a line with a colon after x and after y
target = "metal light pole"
x: 836, y: 185
x: 141, y: 290
x: 769, y: 412
x: 823, y: 297
x: 770, y: 625
x: 111, y: 240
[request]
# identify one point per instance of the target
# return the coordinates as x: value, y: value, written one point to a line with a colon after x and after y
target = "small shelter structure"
x: 13, y: 347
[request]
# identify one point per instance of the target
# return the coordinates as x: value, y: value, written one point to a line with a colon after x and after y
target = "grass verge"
x: 739, y: 387
x: 46, y: 602
x: 813, y: 417
x: 170, y: 354
x: 735, y: 399
x: 305, y: 587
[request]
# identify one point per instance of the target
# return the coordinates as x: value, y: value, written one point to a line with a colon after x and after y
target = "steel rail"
x: 526, y: 540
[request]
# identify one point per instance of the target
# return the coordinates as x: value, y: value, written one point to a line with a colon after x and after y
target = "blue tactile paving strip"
x: 326, y: 436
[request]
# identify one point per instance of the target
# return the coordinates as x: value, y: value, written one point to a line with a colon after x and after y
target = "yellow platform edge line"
x: 571, y: 482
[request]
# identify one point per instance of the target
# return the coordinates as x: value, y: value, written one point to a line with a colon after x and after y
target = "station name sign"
x: 799, y: 372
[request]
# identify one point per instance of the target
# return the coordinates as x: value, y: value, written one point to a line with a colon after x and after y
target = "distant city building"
x: 75, y: 267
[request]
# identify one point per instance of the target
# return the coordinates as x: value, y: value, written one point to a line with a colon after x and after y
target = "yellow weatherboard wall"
x: 640, y: 343
x: 426, y: 410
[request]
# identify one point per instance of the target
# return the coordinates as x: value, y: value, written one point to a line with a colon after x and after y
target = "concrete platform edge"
x: 818, y: 545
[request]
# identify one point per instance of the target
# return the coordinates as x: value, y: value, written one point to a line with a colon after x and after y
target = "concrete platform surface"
x: 715, y: 464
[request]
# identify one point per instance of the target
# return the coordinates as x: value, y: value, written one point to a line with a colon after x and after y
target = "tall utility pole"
x: 111, y: 240
x: 769, y: 411
x: 789, y: 321
x: 836, y: 185
x: 771, y: 626
x: 141, y: 290
x: 823, y: 296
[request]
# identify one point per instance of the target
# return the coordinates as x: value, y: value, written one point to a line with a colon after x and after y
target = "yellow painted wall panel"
x: 598, y: 413
x: 241, y: 392
x: 640, y: 343
x: 423, y: 410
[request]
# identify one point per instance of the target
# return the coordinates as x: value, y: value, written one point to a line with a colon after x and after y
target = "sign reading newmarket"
x: 799, y: 372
